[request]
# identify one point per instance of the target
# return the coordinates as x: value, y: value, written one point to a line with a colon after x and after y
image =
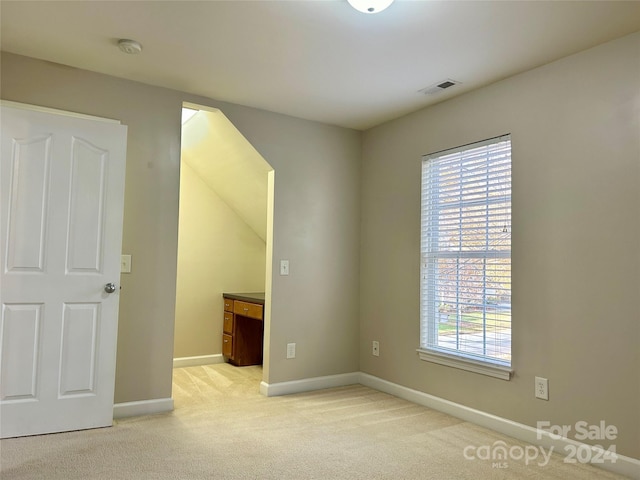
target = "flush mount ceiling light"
x: 370, y: 6
x: 129, y: 46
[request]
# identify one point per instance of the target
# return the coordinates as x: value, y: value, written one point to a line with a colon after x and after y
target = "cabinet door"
x: 227, y: 345
x: 228, y: 305
x: 228, y: 323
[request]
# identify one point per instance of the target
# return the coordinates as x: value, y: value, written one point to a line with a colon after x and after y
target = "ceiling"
x: 320, y: 60
x: 229, y: 165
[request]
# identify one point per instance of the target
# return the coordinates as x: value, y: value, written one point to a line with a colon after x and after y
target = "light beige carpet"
x: 222, y: 428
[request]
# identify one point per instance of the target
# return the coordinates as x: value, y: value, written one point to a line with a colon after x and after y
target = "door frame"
x: 268, y: 253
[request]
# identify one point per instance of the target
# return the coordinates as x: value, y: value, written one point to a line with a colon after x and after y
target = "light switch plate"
x: 125, y: 263
x: 284, y: 267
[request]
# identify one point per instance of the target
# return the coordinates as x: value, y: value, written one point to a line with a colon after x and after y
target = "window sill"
x: 496, y: 371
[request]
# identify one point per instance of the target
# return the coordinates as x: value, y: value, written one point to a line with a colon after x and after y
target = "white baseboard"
x: 309, y: 384
x: 197, y: 361
x: 144, y: 407
x: 623, y: 465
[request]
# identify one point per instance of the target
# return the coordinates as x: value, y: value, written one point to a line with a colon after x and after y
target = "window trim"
x: 463, y: 363
x: 460, y: 359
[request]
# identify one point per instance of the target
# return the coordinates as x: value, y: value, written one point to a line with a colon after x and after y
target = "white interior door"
x: 62, y: 196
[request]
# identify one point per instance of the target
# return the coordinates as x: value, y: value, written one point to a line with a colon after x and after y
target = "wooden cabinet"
x: 251, y: 310
x: 227, y: 345
x: 243, y: 331
x: 228, y: 322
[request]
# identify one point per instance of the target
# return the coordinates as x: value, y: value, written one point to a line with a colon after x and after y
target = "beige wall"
x: 217, y: 252
x: 316, y: 222
x: 316, y: 227
x: 576, y: 231
x: 575, y: 128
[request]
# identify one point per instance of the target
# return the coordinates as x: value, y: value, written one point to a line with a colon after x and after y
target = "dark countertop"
x: 254, y: 297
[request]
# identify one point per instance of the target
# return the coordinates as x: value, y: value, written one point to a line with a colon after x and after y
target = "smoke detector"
x: 439, y: 87
x: 129, y: 46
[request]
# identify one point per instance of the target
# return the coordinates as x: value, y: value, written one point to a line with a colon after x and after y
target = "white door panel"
x: 20, y: 346
x: 86, y: 209
x: 29, y: 163
x: 61, y: 194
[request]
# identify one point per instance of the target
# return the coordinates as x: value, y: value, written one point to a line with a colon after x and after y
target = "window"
x: 465, y: 275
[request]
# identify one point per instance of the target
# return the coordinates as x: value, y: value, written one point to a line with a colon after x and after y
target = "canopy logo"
x: 500, y: 452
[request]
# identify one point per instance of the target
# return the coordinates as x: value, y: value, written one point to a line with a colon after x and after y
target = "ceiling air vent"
x: 438, y: 87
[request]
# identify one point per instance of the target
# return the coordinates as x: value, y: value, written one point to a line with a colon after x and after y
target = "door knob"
x: 110, y: 287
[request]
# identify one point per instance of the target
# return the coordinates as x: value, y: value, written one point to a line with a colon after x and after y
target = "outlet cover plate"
x: 542, y: 388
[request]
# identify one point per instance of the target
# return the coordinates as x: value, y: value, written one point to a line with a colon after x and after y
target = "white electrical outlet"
x: 542, y: 388
x: 375, y: 348
x: 291, y: 350
x: 125, y: 263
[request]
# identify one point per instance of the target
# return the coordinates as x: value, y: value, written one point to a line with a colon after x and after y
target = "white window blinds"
x: 465, y: 287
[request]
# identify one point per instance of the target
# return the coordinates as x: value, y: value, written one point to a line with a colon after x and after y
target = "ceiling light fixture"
x: 370, y: 6
x: 129, y: 46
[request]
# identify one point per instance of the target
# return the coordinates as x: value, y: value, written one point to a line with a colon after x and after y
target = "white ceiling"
x: 229, y: 165
x: 319, y: 60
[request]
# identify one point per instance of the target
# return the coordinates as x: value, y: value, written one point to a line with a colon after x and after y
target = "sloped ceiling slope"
x: 229, y: 165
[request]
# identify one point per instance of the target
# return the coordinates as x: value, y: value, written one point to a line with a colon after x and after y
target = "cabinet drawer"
x: 227, y: 326
x: 227, y: 345
x: 253, y: 310
x: 228, y: 305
